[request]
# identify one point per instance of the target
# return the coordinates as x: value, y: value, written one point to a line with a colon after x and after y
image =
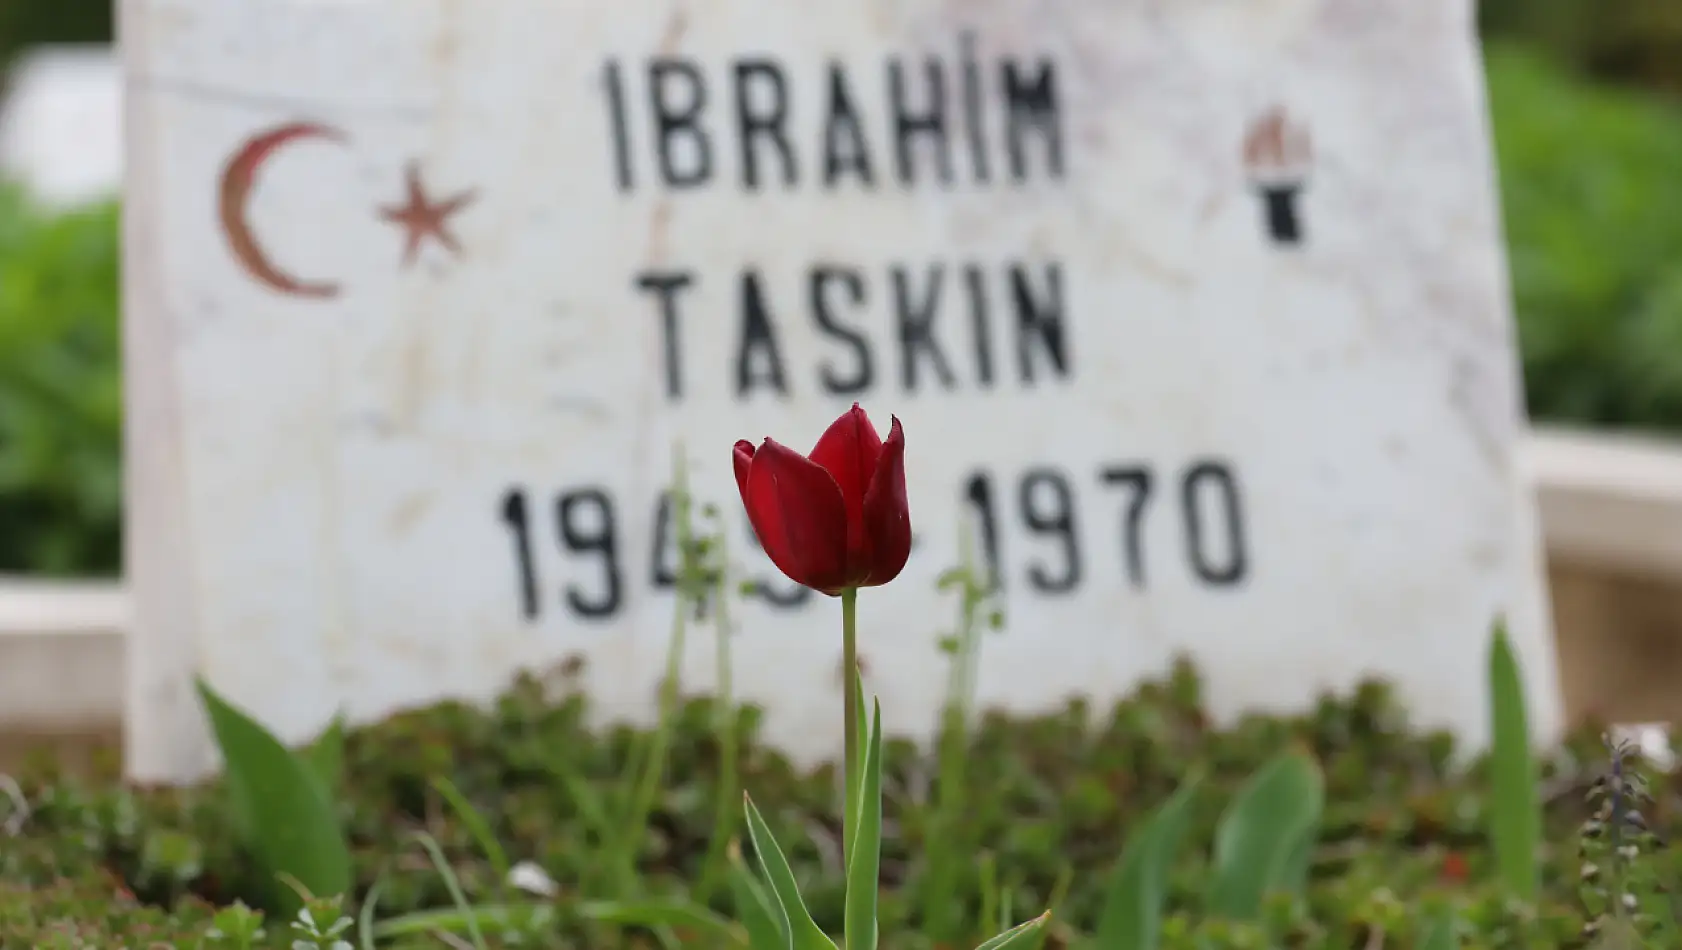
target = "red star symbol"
x: 420, y: 217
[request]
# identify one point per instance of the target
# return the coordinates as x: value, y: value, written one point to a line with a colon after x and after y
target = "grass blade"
x: 649, y: 769
x: 948, y: 849
x: 476, y: 826
x: 1515, y: 817
x: 681, y: 914
x: 1260, y: 836
x: 988, y: 869
x: 453, y: 886
x: 1017, y: 936
x: 1006, y: 900
x: 281, y: 804
x: 864, y: 874
x: 365, y: 916
x: 1059, y: 894
x: 517, y: 918
x: 803, y: 931
x: 724, y: 833
x: 1138, y: 888
x: 945, y: 852
x: 592, y: 805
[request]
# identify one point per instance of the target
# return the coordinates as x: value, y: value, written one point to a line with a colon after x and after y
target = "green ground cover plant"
x: 1069, y: 798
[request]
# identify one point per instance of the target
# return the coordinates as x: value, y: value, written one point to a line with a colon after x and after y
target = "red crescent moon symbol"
x: 237, y: 180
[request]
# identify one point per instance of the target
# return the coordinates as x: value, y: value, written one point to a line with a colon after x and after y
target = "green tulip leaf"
x: 1138, y: 888
x: 327, y: 753
x: 804, y: 932
x: 1292, y: 876
x: 1260, y: 837
x: 765, y: 922
x: 864, y: 874
x: 282, y: 806
x: 1017, y: 937
x: 852, y: 779
x: 1515, y: 816
x: 861, y: 720
x: 1440, y: 934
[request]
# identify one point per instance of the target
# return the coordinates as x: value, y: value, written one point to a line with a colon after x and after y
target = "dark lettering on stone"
x: 911, y: 125
x: 666, y: 285
x: 758, y: 343
x: 1039, y: 318
x: 1031, y: 109
x: 850, y: 282
x: 763, y: 121
x: 975, y: 283
x: 620, y: 123
x: 845, y: 150
x: 916, y: 326
x: 678, y: 119
x: 975, y: 124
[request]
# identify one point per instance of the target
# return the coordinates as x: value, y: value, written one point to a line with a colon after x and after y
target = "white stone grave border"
x: 1608, y: 502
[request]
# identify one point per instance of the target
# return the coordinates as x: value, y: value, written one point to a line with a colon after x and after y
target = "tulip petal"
x: 849, y: 450
x: 797, y: 513
x: 743, y: 457
x: 887, y: 513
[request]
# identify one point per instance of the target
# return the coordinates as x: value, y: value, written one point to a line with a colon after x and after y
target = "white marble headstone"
x: 1198, y: 310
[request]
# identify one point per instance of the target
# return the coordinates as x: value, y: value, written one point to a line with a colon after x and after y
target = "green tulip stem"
x: 849, y: 725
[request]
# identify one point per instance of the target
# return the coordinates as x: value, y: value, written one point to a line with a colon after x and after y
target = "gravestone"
x: 1195, y: 313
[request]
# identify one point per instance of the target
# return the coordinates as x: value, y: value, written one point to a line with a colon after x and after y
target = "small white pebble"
x: 532, y: 879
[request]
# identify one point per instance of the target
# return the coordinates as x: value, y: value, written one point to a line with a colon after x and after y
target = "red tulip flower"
x: 837, y: 520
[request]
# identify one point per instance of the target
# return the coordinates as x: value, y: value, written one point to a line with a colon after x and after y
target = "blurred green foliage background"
x: 1591, y: 189
x: 1633, y: 42
x: 60, y: 398
x: 1587, y: 104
